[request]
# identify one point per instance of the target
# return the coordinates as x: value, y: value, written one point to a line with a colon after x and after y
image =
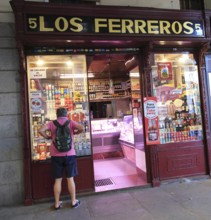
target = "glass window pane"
x: 176, y: 86
x: 53, y: 82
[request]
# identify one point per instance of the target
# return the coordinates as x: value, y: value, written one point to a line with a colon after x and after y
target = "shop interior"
x: 116, y: 121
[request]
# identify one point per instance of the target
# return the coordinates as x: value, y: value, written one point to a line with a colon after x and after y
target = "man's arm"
x: 42, y: 131
x: 78, y: 128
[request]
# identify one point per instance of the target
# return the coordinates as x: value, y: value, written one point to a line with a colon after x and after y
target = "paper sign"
x: 37, y: 73
x: 164, y: 70
x: 36, y: 95
x: 151, y: 120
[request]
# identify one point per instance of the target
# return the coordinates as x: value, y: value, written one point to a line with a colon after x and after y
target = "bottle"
x: 42, y: 116
x: 193, y: 105
x: 184, y: 106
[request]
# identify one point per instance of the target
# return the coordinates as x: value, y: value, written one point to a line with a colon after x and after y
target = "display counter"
x: 106, y: 142
x: 131, y: 138
x: 105, y: 137
x: 127, y: 138
x: 128, y: 150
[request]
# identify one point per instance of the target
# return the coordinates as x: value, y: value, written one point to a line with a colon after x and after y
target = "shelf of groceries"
x: 45, y: 99
x: 180, y: 119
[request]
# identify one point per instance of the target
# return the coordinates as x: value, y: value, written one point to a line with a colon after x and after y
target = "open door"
x: 116, y: 121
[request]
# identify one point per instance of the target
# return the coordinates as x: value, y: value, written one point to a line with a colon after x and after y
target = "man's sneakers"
x: 59, y: 207
x: 77, y: 204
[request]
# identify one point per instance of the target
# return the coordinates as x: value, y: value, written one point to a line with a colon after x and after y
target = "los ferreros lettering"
x: 52, y: 23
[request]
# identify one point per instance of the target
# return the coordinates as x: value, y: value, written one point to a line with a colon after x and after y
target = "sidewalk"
x: 184, y: 200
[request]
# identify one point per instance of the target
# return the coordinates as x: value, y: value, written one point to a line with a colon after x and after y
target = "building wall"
x: 168, y: 4
x: 11, y: 156
x: 207, y: 4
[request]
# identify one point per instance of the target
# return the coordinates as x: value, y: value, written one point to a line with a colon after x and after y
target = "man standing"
x: 63, y: 160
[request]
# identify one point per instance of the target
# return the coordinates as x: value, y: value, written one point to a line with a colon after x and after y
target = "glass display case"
x: 105, y: 137
x: 127, y: 133
x: 105, y: 126
x: 176, y: 86
x: 57, y: 81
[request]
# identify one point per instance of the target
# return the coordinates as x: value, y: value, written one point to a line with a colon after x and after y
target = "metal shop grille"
x: 103, y: 182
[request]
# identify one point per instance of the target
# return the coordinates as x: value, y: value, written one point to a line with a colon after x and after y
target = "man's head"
x: 61, y: 112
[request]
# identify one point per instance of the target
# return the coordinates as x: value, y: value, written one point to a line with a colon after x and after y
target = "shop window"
x: 176, y: 86
x: 191, y: 4
x: 53, y: 82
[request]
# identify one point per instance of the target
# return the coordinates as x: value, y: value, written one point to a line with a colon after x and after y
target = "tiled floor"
x: 120, y: 171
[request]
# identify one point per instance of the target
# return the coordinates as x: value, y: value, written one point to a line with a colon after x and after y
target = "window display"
x: 176, y: 86
x: 57, y: 81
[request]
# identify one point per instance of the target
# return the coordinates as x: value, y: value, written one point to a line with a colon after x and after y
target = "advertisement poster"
x: 151, y: 120
x: 164, y: 70
x: 36, y: 104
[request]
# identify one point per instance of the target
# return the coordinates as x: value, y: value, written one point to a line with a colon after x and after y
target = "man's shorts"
x: 64, y: 163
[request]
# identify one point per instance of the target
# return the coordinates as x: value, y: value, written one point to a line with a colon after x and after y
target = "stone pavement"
x: 186, y: 199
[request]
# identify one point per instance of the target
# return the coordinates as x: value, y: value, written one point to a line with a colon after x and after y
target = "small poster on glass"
x: 164, y: 70
x: 151, y: 120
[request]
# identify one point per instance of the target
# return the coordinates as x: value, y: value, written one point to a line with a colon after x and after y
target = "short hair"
x: 61, y: 112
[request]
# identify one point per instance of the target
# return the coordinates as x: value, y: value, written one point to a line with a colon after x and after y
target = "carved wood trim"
x: 154, y: 165
x: 204, y: 101
x: 147, y: 70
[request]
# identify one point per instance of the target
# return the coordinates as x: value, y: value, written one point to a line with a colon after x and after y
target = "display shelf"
x: 106, y: 90
x: 109, y: 99
x: 99, y: 89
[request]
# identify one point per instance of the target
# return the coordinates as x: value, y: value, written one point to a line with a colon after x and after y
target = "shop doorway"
x: 116, y: 121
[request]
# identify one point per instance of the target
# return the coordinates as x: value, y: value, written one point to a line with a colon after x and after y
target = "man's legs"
x: 71, y: 189
x: 57, y: 191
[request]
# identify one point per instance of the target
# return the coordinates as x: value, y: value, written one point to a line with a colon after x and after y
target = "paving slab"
x: 185, y: 200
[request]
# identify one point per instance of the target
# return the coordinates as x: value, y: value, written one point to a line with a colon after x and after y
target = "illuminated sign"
x: 123, y: 26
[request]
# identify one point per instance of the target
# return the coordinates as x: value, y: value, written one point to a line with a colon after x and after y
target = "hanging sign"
x: 108, y: 25
x: 164, y: 70
x: 151, y: 120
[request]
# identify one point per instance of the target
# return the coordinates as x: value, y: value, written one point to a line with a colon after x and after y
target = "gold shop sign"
x: 117, y: 26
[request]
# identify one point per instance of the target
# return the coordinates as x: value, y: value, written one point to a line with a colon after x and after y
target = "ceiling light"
x: 40, y: 62
x: 90, y: 75
x: 69, y: 63
x: 134, y: 74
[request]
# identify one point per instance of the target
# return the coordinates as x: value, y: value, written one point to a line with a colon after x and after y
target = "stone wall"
x: 11, y: 145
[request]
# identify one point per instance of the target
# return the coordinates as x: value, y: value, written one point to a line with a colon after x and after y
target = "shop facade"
x: 159, y: 86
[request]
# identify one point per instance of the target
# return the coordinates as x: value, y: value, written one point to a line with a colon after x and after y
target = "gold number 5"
x: 33, y: 23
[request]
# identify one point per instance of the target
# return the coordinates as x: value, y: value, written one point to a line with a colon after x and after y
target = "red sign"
x: 151, y: 120
x: 164, y: 70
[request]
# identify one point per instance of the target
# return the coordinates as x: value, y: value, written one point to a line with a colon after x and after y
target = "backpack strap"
x: 66, y: 123
x: 56, y: 123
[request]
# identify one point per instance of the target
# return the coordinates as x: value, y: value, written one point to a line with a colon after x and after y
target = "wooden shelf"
x: 109, y: 99
x: 104, y: 90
